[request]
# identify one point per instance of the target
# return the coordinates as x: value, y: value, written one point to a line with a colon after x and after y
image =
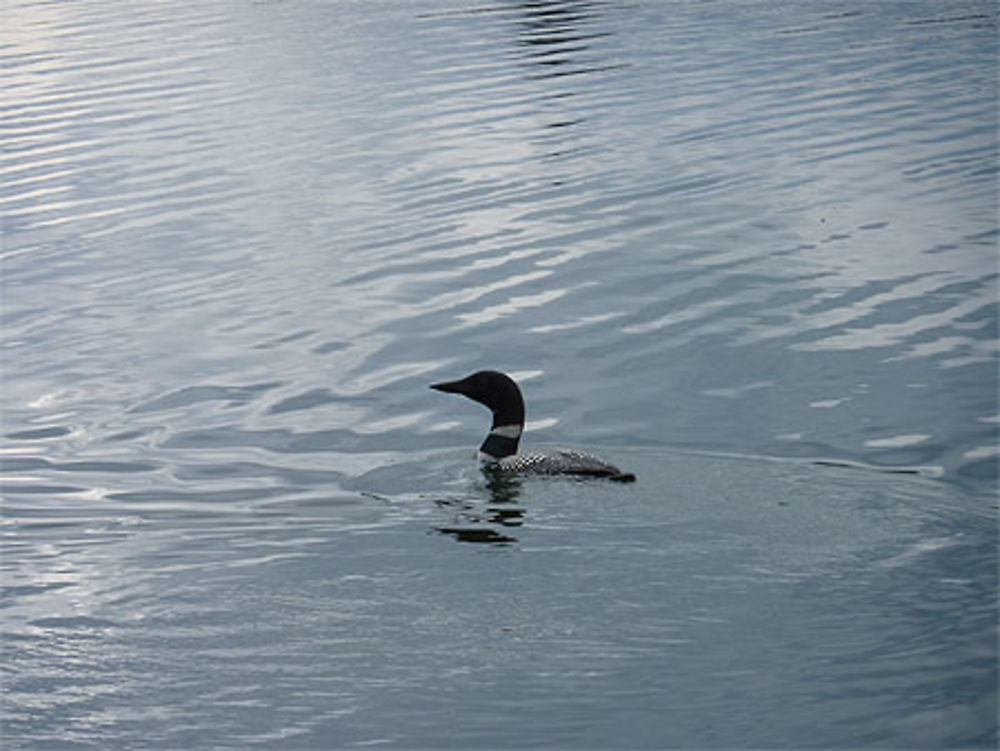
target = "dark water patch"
x: 951, y: 19
x: 287, y: 339
x: 479, y: 535
x: 988, y: 238
x: 75, y: 624
x: 332, y: 346
x: 39, y: 434
x: 897, y: 470
x: 308, y: 400
x: 874, y: 226
x: 30, y: 464
x: 44, y: 488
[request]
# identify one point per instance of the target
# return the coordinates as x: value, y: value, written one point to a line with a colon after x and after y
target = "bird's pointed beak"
x: 449, y: 387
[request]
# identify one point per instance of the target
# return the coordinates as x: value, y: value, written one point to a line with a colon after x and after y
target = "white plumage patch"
x: 507, y: 431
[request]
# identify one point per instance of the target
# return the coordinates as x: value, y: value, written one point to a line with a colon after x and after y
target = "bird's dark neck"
x: 502, y: 441
x: 511, y: 413
x: 505, y: 433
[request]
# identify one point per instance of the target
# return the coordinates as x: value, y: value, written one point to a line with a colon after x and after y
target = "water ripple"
x: 240, y: 241
x: 265, y: 232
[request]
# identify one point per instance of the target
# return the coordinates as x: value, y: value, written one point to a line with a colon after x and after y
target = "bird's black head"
x: 492, y: 389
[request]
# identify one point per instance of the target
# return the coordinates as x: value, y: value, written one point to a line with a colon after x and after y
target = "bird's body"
x: 562, y: 462
x: 502, y: 396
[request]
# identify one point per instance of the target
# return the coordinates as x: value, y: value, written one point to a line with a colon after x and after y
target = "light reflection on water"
x: 238, y: 245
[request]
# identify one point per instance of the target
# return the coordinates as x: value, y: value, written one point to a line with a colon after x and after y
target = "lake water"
x: 746, y: 250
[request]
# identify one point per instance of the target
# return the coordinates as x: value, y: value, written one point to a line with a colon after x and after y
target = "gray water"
x: 746, y: 250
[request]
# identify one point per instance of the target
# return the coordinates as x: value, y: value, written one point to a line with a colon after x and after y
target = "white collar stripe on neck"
x: 507, y: 431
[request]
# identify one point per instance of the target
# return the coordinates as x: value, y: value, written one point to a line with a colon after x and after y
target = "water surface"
x: 746, y: 250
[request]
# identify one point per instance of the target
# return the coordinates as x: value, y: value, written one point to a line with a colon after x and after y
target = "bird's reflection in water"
x: 478, y: 523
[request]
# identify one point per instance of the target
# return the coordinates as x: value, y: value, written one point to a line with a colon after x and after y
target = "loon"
x: 499, y: 392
